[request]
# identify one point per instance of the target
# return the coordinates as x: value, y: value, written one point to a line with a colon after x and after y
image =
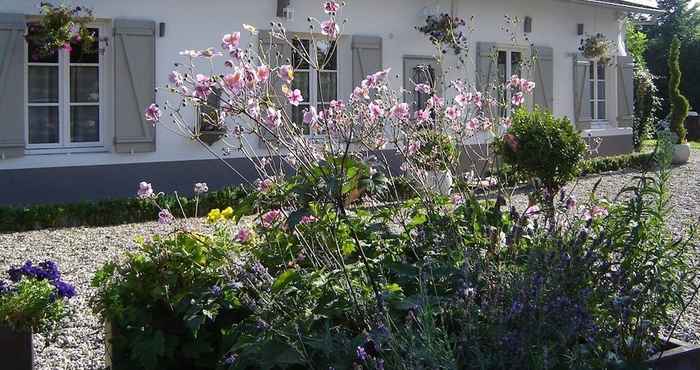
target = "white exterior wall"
x: 200, y: 24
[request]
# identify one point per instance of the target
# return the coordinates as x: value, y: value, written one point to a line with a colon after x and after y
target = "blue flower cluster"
x: 47, y: 270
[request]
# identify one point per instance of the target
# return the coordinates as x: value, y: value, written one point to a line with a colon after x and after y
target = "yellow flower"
x: 227, y: 213
x: 214, y: 215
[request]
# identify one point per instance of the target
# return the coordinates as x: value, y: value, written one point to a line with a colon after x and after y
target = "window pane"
x: 591, y: 71
x: 422, y: 74
x: 516, y: 60
x: 601, y: 110
x: 298, y: 116
x: 43, y: 84
x: 327, y: 55
x: 591, y: 85
x: 89, y: 54
x: 601, y: 90
x: 84, y: 84
x: 43, y: 125
x: 301, y: 82
x: 593, y: 115
x: 298, y: 55
x: 85, y: 124
x: 327, y: 89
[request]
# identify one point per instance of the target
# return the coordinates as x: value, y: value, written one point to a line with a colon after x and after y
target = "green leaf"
x: 284, y: 279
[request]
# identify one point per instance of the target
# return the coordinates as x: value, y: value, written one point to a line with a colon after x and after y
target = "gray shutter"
x: 625, y: 91
x: 485, y: 66
x: 366, y: 57
x: 135, y: 82
x: 582, y: 94
x: 276, y: 52
x: 12, y: 85
x: 544, y: 77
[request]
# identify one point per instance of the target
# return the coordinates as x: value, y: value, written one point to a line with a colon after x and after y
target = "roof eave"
x: 624, y: 7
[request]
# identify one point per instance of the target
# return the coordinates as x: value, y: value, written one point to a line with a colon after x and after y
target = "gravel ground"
x: 80, y: 251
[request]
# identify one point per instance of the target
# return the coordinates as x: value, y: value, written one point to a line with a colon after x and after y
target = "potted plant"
x: 33, y: 301
x: 59, y: 28
x: 679, y: 105
x: 167, y: 304
x: 434, y: 154
x: 597, y: 47
x: 443, y: 31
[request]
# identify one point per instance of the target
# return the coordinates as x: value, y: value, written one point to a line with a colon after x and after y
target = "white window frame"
x: 313, y: 99
x: 64, y: 104
x: 594, y: 98
x: 524, y: 56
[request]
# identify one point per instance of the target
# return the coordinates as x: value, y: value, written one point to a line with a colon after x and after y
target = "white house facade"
x: 72, y: 128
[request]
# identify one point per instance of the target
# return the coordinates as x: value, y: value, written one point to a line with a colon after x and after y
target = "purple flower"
x: 4, y: 287
x: 215, y: 290
x: 361, y: 353
x: 230, y: 360
x: 64, y: 289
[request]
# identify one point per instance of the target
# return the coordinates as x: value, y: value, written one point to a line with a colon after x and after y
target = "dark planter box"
x: 677, y: 355
x: 16, y: 351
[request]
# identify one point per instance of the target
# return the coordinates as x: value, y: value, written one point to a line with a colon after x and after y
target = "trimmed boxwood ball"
x: 540, y: 146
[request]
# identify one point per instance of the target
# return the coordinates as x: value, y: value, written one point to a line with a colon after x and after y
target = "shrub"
x: 35, y: 297
x: 107, y: 212
x: 542, y: 147
x: 679, y: 104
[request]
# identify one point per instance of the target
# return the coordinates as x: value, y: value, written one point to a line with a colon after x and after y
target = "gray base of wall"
x: 85, y: 183
x: 611, y: 145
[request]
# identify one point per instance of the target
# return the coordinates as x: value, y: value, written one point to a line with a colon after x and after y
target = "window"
x: 423, y: 74
x: 509, y: 64
x: 63, y: 97
x: 596, y: 82
x: 319, y: 86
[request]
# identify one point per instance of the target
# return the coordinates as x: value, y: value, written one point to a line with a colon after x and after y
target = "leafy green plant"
x: 679, y: 103
x: 61, y: 26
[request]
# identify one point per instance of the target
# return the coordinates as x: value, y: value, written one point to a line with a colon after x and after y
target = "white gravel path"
x: 80, y: 251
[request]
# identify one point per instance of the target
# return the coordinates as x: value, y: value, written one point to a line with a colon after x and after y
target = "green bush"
x: 679, y: 103
x: 539, y: 146
x: 108, y: 212
x: 436, y: 152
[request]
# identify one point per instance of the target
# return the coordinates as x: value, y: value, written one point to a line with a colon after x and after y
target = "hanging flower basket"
x: 597, y: 47
x: 59, y: 28
x: 444, y: 31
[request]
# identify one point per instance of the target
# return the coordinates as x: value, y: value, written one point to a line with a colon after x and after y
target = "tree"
x: 680, y: 19
x: 679, y: 104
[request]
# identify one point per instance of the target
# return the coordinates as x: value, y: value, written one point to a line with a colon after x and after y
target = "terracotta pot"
x: 677, y: 355
x: 16, y: 351
x: 681, y: 154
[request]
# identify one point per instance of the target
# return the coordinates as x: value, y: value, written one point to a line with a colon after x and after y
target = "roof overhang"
x: 637, y: 6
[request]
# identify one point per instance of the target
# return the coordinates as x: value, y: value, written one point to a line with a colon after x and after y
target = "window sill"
x: 66, y: 151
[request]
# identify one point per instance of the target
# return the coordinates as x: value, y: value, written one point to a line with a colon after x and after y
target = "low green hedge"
x: 108, y: 212
x: 123, y: 211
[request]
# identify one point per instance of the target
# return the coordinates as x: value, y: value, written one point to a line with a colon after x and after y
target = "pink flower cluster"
x: 270, y: 218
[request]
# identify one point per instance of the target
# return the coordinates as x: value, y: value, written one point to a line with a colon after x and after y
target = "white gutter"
x: 626, y: 7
